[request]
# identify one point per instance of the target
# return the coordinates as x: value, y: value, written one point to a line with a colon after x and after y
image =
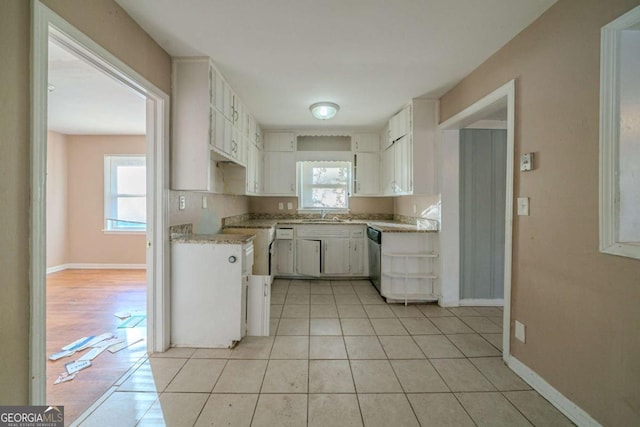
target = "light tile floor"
x: 338, y: 355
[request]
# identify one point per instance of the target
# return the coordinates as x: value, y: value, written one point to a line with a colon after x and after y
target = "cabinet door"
x: 366, y: 176
x: 259, y: 171
x: 402, y: 168
x: 366, y: 142
x: 279, y: 173
x: 336, y: 256
x: 356, y: 257
x: 279, y: 141
x: 387, y: 176
x: 251, y: 169
x: 284, y: 256
x: 308, y: 257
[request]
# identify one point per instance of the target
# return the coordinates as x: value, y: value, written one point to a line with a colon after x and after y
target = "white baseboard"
x: 498, y: 302
x: 557, y: 399
x: 80, y: 266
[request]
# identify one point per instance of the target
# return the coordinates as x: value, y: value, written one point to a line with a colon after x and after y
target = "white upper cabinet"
x: 193, y: 124
x: 366, y: 174
x: 365, y: 142
x: 279, y: 173
x: 279, y: 141
x: 413, y: 136
x: 209, y: 124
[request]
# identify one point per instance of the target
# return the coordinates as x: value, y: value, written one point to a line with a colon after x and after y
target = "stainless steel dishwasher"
x: 374, y: 239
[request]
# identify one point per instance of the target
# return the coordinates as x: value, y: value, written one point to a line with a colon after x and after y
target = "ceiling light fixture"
x: 324, y: 110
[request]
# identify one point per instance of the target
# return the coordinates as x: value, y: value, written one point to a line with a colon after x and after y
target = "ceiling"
x: 85, y: 101
x: 369, y: 56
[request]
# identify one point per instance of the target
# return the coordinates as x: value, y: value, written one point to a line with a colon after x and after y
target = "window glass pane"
x: 334, y: 175
x: 131, y: 180
x: 328, y: 198
x: 324, y: 184
x: 132, y: 209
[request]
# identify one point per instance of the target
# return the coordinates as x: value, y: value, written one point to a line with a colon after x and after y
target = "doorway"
x: 482, y: 200
x: 47, y: 25
x: 502, y: 99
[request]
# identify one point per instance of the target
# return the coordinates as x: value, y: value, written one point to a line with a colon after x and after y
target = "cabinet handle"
x: 232, y: 259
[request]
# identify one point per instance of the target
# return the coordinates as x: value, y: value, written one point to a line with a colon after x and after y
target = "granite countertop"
x: 224, y: 239
x: 384, y: 226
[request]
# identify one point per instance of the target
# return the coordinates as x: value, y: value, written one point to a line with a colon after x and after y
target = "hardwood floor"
x: 82, y: 303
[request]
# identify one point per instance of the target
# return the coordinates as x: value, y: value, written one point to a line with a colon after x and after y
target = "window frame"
x: 302, y: 187
x: 111, y: 162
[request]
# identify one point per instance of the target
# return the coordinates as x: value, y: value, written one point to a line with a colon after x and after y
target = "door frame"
x: 46, y: 23
x: 449, y: 147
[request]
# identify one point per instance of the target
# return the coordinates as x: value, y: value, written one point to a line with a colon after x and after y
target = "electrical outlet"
x: 289, y: 206
x: 182, y: 203
x: 204, y: 202
x: 526, y: 162
x: 280, y: 206
x: 415, y: 208
x: 520, y: 335
x: 523, y: 206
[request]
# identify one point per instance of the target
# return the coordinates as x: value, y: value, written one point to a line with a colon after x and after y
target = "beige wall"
x: 209, y: 220
x: 405, y: 205
x: 357, y: 205
x: 580, y: 307
x: 14, y: 209
x: 109, y: 25
x: 57, y: 198
x: 88, y: 244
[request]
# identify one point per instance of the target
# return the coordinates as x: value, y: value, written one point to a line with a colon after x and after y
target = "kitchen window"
x: 324, y: 186
x: 125, y: 193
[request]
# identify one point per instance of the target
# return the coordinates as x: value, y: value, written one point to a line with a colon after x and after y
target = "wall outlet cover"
x: 204, y: 202
x: 523, y: 206
x: 520, y: 331
x: 289, y: 206
x: 280, y: 206
x: 182, y: 202
x: 526, y: 162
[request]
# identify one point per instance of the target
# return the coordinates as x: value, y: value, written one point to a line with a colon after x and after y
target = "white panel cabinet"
x: 279, y: 173
x: 366, y: 174
x: 412, y: 145
x: 191, y: 125
x: 279, y: 141
x: 356, y: 256
x: 284, y: 257
x: 365, y: 142
x: 336, y: 256
x: 208, y: 293
x: 308, y: 257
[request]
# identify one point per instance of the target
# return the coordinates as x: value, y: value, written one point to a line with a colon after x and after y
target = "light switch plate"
x: 523, y: 206
x: 289, y: 206
x: 204, y: 202
x: 280, y: 206
x: 520, y: 335
x: 526, y: 162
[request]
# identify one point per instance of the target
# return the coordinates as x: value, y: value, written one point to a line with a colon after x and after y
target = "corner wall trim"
x: 557, y: 399
x: 79, y: 266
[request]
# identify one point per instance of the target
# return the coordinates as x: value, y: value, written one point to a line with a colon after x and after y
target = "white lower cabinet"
x: 284, y: 257
x: 409, y: 267
x: 326, y: 250
x: 209, y: 293
x: 336, y: 256
x: 308, y: 257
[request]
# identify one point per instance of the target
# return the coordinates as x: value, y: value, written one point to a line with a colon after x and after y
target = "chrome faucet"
x: 323, y: 213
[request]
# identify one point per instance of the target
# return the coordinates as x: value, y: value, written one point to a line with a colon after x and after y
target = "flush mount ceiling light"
x: 324, y: 110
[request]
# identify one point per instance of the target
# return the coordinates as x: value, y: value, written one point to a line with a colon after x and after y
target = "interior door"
x: 308, y: 257
x: 482, y: 201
